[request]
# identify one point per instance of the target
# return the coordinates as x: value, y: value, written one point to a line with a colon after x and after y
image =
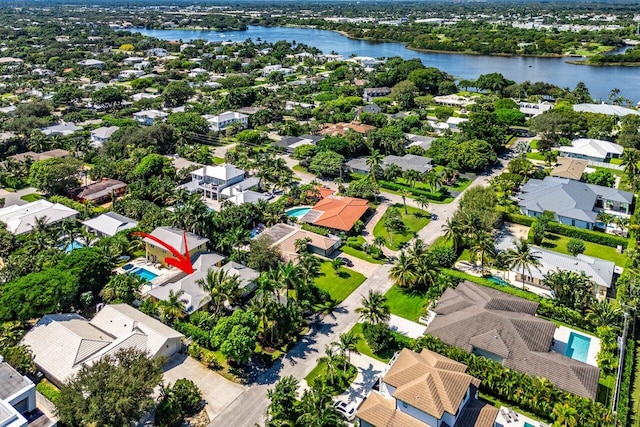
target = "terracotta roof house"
x: 285, y: 236
x: 40, y: 156
x: 99, y: 192
x: 336, y: 213
x: 340, y: 129
x: 63, y: 343
x: 425, y: 389
x: 504, y: 328
x: 569, y: 168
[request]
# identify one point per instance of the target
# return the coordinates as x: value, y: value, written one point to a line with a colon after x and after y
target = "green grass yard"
x: 535, y: 156
x: 558, y: 243
x: 321, y: 370
x: 218, y: 160
x: 32, y: 197
x: 414, y: 220
x: 338, y: 284
x: 406, y: 304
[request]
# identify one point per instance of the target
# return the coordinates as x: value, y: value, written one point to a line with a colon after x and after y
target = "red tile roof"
x: 340, y: 213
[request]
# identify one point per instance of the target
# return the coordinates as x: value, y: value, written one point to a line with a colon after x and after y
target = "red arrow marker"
x: 182, y: 262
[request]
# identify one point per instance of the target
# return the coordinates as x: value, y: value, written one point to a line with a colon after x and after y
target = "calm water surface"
x: 599, y: 80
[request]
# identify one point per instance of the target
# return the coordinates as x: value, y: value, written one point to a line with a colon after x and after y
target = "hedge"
x: 587, y: 235
x: 315, y: 229
x: 519, y: 219
x: 438, y: 197
x: 199, y: 335
x: 49, y: 391
x: 625, y: 385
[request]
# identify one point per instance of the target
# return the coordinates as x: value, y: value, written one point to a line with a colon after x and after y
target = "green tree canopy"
x: 55, y: 175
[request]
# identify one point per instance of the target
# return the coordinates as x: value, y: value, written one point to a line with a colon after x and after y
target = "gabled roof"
x: 569, y: 168
x: 610, y: 110
x: 98, y: 189
x: 104, y: 131
x: 174, y: 237
x: 410, y: 162
x: 110, y: 223
x: 595, y: 148
x: 40, y: 156
x: 470, y: 315
x: 22, y: 219
x: 430, y: 382
x: 381, y: 412
x: 339, y: 213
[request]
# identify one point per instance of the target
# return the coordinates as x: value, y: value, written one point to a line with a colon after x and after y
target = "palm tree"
x: 622, y: 223
x: 379, y: 242
x: 565, y: 415
x: 122, y: 287
x: 220, y: 287
x: 433, y: 180
x: 453, y: 233
x: 411, y: 176
x: 404, y: 193
x: 348, y: 343
x: 423, y: 202
x: 605, y: 218
x: 484, y: 248
x: 336, y: 264
x: 403, y: 271
x: 374, y: 161
x: 630, y: 159
x: 522, y: 256
x: 374, y: 308
x: 330, y: 359
x: 603, y: 313
x: 172, y: 308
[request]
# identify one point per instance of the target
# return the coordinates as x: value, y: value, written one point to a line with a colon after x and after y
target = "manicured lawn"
x: 360, y: 254
x: 218, y: 160
x: 535, y: 156
x: 321, y: 370
x: 465, y: 255
x: 300, y: 168
x: 558, y: 243
x: 406, y: 304
x: 534, y: 144
x: 413, y: 221
x: 339, y: 285
x: 363, y: 348
x: 31, y: 197
x: 398, y: 193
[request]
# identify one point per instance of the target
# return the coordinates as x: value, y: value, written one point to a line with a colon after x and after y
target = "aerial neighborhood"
x: 230, y: 231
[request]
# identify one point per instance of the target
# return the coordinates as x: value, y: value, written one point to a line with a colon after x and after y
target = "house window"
x: 609, y: 204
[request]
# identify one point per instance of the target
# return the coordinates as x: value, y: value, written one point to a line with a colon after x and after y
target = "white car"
x: 347, y: 411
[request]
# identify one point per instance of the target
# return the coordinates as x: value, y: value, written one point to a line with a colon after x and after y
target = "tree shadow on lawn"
x: 343, y: 274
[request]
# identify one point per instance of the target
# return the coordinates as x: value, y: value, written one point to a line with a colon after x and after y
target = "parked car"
x: 345, y: 261
x: 347, y: 411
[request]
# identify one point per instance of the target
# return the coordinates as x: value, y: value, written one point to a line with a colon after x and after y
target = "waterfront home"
x: 609, y: 110
x: 425, y: 389
x: 62, y: 344
x: 177, y: 238
x: 530, y: 109
x: 505, y: 328
x: 571, y: 202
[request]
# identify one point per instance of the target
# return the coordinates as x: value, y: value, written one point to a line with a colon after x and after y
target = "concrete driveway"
x: 13, y: 198
x: 406, y: 327
x: 217, y: 391
x: 369, y: 369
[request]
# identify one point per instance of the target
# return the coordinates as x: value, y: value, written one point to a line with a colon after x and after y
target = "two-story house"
x: 176, y: 238
x: 149, y: 117
x: 425, y: 390
x: 102, y: 134
x: 594, y: 150
x: 222, y: 121
x: 371, y: 93
x: 211, y: 180
x: 572, y: 202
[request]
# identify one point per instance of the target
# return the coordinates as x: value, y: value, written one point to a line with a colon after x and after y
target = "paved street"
x: 250, y: 408
x: 13, y: 198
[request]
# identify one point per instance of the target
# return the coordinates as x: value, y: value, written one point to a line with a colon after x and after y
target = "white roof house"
x: 63, y: 128
x: 531, y: 109
x: 62, y: 343
x: 110, y: 223
x: 592, y: 149
x: 22, y: 219
x: 91, y: 63
x: 222, y: 121
x: 609, y: 110
x: 102, y: 134
x: 130, y: 74
x: 149, y: 117
x: 175, y: 237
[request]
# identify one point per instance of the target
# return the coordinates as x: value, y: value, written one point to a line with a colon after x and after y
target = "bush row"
x: 625, y: 384
x: 438, y: 197
x: 315, y: 229
x: 199, y: 335
x: 518, y: 219
x: 587, y: 235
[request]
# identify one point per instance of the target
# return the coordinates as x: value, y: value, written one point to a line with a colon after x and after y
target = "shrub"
x: 586, y: 235
x: 378, y: 336
x: 199, y: 335
x: 575, y: 246
x: 445, y: 255
x: 49, y: 391
x: 315, y: 229
x: 519, y: 219
x: 536, y: 232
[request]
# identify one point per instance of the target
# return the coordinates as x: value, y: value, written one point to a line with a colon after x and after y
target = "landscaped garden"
x: 339, y: 284
x: 558, y: 243
x: 406, y: 303
x: 399, y: 224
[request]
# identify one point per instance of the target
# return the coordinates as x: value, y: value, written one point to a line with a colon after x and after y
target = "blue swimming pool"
x: 297, y: 212
x: 72, y: 246
x: 144, y: 273
x: 498, y: 281
x: 578, y: 347
x: 526, y: 424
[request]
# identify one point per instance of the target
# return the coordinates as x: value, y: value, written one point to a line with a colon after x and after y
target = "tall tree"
x: 374, y: 309
x: 523, y: 256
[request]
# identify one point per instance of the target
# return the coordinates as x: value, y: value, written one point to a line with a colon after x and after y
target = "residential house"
x: 21, y: 219
x: 505, y: 328
x: 222, y: 121
x: 290, y: 143
x: 63, y: 128
x: 369, y: 108
x: 248, y: 196
x: 99, y: 192
x: 144, y: 95
x: 93, y: 63
x: 365, y: 61
x: 149, y: 117
x: 609, y: 110
x: 130, y: 74
x: 109, y: 224
x: 572, y: 203
x: 569, y: 168
x: 9, y: 111
x: 18, y: 406
x: 453, y: 123
x: 63, y: 343
x: 101, y: 135
x: 211, y: 180
x: 132, y: 60
x: 157, y: 52
x: 336, y: 213
x: 341, y: 129
x: 285, y: 236
x: 178, y: 239
x: 425, y: 389
x: 530, y: 109
x: 276, y: 68
x: 594, y: 150
x: 50, y: 154
x: 405, y: 163
x: 421, y: 141
x: 372, y: 93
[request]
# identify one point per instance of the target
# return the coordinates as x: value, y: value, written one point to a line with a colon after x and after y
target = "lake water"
x: 599, y: 80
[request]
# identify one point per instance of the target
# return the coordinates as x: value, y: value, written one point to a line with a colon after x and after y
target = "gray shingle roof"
x: 469, y: 317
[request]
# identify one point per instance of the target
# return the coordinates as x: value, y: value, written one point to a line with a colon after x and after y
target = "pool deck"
x: 164, y: 275
x: 561, y: 337
x: 508, y: 417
